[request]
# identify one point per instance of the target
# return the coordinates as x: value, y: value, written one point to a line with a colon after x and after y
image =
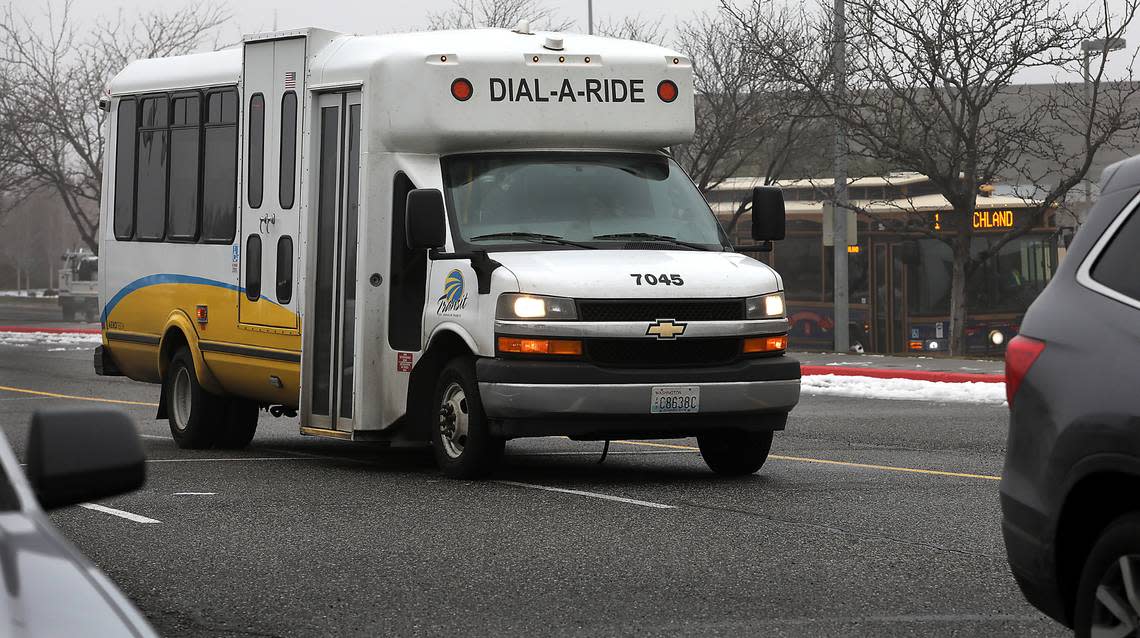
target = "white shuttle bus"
x: 459, y: 237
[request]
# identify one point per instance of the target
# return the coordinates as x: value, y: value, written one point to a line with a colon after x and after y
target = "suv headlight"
x: 765, y: 306
x: 516, y: 306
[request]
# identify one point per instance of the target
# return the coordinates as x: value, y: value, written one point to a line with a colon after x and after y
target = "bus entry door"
x: 330, y: 313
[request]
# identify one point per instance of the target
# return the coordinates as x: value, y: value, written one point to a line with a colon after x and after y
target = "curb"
x: 892, y: 373
x: 57, y: 331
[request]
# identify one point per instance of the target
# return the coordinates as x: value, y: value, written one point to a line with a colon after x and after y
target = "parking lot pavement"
x: 871, y: 518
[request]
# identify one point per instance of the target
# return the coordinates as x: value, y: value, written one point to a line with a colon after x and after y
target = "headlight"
x: 765, y: 306
x: 515, y: 306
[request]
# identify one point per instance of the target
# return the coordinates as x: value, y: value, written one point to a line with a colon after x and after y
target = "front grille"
x: 641, y: 353
x: 654, y: 309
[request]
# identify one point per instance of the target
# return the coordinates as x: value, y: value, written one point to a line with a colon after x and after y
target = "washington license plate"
x: 675, y: 399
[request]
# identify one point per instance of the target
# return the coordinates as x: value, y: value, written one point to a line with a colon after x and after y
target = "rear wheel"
x: 239, y: 425
x: 68, y: 312
x: 735, y: 452
x: 463, y: 444
x: 1108, y: 597
x: 196, y: 416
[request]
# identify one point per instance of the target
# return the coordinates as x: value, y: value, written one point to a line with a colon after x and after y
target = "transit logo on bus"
x: 452, y: 300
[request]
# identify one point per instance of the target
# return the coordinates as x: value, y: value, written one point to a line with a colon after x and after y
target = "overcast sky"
x: 379, y: 16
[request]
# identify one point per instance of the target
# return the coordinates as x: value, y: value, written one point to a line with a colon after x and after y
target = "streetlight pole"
x: 839, y: 210
x: 1089, y: 48
x: 590, y: 16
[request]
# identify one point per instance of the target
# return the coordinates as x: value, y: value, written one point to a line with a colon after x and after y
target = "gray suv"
x: 1070, y: 491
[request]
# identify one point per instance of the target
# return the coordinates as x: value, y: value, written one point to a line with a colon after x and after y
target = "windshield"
x: 604, y: 200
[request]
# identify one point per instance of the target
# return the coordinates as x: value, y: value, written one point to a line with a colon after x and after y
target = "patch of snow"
x: 24, y: 339
x: 35, y: 292
x: 903, y: 389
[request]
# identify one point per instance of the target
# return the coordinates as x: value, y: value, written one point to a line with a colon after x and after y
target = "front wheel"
x: 463, y: 444
x: 1108, y: 596
x: 735, y: 452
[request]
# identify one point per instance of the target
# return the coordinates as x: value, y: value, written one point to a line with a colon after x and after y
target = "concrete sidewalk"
x: 923, y: 368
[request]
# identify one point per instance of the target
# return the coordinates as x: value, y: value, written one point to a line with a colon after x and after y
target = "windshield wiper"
x: 652, y: 237
x: 537, y: 238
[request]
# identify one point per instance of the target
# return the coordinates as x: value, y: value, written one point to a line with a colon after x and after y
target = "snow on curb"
x: 23, y: 339
x: 865, y: 387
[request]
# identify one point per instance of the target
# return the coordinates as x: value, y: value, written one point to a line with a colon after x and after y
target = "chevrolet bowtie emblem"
x: 665, y: 329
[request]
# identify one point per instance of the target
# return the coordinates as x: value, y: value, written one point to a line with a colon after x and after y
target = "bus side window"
x: 219, y: 167
x: 253, y: 267
x: 256, y: 154
x: 408, y: 273
x: 284, y: 269
x: 288, y: 168
x: 153, y: 161
x: 185, y: 169
x: 126, y: 124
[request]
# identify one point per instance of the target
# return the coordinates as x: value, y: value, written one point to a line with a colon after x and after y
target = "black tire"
x: 68, y: 312
x: 199, y: 428
x: 1102, y: 568
x: 735, y: 452
x: 457, y: 405
x: 239, y: 425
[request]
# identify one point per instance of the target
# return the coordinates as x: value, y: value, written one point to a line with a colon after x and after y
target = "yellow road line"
x: 670, y: 446
x: 802, y: 459
x: 73, y: 397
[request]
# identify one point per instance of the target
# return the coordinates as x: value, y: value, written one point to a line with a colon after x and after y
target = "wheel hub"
x: 453, y: 420
x: 1116, y: 610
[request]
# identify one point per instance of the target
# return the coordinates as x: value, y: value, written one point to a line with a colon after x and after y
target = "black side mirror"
x: 75, y: 456
x: 426, y: 220
x: 768, y: 221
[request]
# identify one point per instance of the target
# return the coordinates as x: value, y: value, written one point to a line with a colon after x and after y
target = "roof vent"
x: 553, y: 42
x: 523, y: 27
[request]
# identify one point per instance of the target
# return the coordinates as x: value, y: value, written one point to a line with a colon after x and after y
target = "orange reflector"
x: 519, y: 345
x: 915, y: 345
x: 667, y: 91
x: 461, y: 89
x: 766, y: 344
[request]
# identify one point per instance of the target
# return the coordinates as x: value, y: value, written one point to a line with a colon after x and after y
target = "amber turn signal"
x: 518, y: 345
x: 766, y: 344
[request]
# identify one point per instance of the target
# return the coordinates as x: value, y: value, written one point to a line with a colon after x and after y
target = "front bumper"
x: 531, y: 398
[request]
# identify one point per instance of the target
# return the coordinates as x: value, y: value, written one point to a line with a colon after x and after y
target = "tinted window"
x: 1118, y: 267
x: 253, y: 267
x: 219, y: 168
x: 256, y: 156
x: 185, y: 144
x: 127, y: 124
x: 288, y: 149
x: 284, y: 269
x: 153, y: 154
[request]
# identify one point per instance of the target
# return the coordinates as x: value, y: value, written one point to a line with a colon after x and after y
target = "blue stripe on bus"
x: 154, y: 280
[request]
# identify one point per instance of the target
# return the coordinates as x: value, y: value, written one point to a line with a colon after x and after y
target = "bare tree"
x: 505, y: 14
x: 931, y: 90
x: 55, y: 78
x: 633, y: 28
x: 747, y: 115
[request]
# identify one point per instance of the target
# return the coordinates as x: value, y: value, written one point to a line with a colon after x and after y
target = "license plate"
x: 675, y: 399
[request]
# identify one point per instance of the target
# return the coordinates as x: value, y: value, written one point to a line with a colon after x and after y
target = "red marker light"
x: 667, y: 91
x: 461, y: 89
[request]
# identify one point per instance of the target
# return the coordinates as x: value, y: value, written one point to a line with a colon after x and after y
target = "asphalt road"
x: 303, y: 537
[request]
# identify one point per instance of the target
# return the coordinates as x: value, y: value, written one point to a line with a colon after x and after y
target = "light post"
x: 590, y: 16
x: 839, y: 211
x: 1089, y: 48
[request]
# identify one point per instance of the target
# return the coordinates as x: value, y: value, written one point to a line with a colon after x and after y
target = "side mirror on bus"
x: 425, y: 223
x: 768, y: 222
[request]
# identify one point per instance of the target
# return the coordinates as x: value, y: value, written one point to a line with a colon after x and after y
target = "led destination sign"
x: 993, y: 219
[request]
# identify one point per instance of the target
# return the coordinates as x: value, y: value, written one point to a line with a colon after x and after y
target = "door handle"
x: 266, y: 220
